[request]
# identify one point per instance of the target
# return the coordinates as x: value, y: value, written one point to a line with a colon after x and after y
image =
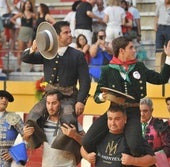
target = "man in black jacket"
x: 61, y: 72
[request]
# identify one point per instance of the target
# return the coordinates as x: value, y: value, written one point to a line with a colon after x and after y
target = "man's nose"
x: 142, y: 113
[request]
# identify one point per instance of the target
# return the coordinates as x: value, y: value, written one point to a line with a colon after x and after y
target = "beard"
x: 53, y: 113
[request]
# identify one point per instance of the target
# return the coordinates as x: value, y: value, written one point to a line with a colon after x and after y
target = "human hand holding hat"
x: 102, y: 96
x: 28, y: 131
x: 115, y: 96
x: 33, y: 47
x: 37, y: 137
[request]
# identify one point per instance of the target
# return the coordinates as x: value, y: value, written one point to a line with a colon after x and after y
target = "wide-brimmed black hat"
x: 116, y: 96
x: 4, y: 93
x: 46, y: 40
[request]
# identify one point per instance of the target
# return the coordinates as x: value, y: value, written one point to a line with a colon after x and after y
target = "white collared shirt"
x: 62, y: 50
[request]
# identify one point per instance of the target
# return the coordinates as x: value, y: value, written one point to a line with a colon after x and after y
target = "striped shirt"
x: 49, y: 129
x: 55, y: 157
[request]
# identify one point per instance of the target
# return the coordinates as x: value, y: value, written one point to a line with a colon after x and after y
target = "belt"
x: 127, y: 105
x: 164, y: 25
x: 66, y: 91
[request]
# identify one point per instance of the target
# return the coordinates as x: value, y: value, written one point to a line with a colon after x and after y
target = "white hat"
x: 46, y: 39
x: 116, y: 96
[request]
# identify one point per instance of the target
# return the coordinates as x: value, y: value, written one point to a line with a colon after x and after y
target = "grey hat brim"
x: 45, y: 53
x: 116, y: 96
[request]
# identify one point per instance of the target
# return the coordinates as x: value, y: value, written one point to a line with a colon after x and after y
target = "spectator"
x: 162, y: 28
x: 112, y: 150
x: 82, y: 45
x: 26, y: 29
x: 158, y: 2
x: 11, y: 125
x: 98, y: 10
x: 154, y: 130
x: 167, y: 101
x: 1, y: 29
x: 43, y: 15
x: 100, y: 55
x: 84, y: 16
x: 128, y: 76
x: 114, y: 18
x: 71, y: 16
x: 127, y: 27
x: 51, y: 125
x: 15, y: 8
x: 4, y: 8
x: 63, y: 68
x: 136, y: 20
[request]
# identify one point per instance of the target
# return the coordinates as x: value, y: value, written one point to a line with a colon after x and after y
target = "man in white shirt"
x: 52, y: 127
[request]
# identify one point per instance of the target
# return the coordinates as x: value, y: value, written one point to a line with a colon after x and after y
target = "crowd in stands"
x: 87, y: 18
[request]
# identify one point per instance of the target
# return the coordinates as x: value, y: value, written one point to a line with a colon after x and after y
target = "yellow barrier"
x: 24, y: 94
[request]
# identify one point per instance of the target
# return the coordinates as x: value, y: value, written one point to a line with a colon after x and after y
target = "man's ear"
x: 152, y: 110
x: 121, y: 50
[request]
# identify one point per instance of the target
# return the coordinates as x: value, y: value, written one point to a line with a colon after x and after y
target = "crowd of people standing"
x: 86, y: 18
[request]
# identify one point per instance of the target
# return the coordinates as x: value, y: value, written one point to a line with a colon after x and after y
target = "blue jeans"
x: 162, y: 37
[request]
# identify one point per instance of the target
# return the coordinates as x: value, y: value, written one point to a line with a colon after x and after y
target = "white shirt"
x: 70, y: 17
x: 55, y: 157
x: 116, y: 15
x: 135, y: 14
x: 3, y: 7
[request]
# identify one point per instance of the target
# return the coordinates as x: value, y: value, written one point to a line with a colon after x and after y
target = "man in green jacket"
x: 128, y: 76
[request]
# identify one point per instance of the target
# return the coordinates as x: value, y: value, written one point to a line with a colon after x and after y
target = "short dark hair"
x: 126, y: 3
x: 24, y: 4
x: 75, y: 5
x: 58, y: 25
x: 44, y: 8
x: 53, y: 92
x: 120, y: 42
x: 167, y: 99
x: 117, y: 108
